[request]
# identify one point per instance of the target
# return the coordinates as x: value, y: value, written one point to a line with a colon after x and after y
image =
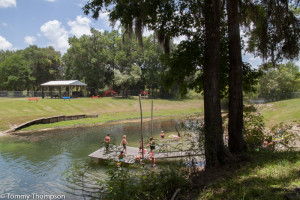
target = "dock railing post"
x: 152, y: 118
x: 142, y: 136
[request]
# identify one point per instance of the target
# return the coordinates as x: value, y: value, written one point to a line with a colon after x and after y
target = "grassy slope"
x: 15, y: 111
x: 281, y: 111
x: 267, y: 176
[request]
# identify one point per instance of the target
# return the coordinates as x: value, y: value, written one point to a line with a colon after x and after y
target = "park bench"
x: 64, y: 98
x: 33, y: 99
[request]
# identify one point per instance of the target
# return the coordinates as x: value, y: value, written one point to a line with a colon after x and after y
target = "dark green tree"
x: 15, y: 75
x: 104, y: 60
x: 152, y: 67
x: 91, y: 59
x: 44, y: 63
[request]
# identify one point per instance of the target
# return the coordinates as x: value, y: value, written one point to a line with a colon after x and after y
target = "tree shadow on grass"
x: 267, y: 175
x: 122, y: 98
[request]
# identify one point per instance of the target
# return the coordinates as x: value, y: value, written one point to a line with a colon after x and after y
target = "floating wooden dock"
x: 114, y: 152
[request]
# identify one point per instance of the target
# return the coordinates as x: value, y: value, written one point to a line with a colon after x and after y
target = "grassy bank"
x: 269, y: 175
x: 15, y: 111
x: 287, y: 111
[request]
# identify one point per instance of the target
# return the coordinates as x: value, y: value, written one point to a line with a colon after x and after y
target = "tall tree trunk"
x: 215, y: 152
x: 235, y: 127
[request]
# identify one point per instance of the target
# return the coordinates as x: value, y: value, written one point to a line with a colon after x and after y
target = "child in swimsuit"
x: 124, y: 142
x: 121, y: 158
x: 141, y: 146
x: 107, y: 142
x: 151, y: 144
x: 138, y: 158
x: 152, y: 158
x: 162, y: 135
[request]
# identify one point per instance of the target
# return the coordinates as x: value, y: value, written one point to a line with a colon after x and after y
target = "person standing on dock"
x: 162, y: 135
x: 107, y: 142
x: 151, y: 144
x: 124, y: 142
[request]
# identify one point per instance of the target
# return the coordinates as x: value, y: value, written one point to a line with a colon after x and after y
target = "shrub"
x: 253, y: 127
x: 125, y: 183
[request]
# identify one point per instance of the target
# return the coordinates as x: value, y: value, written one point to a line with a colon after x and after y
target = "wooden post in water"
x: 142, y: 136
x: 152, y: 118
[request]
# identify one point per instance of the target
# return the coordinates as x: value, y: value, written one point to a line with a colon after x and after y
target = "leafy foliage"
x: 107, y: 60
x: 128, y: 78
x: 253, y: 128
x: 274, y: 29
x: 14, y: 73
x: 279, y: 136
x: 91, y: 58
x: 44, y: 63
x: 275, y: 81
x: 143, y: 183
x: 28, y: 68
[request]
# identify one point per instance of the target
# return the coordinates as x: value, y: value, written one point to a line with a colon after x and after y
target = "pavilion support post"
x: 60, y: 88
x: 43, y: 95
x: 85, y: 90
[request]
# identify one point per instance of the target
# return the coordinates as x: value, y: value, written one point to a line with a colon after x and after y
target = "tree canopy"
x: 27, y: 69
x: 280, y: 81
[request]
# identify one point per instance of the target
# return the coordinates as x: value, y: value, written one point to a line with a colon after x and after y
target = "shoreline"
x: 45, y: 130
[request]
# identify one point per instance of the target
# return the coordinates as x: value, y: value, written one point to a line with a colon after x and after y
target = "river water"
x: 40, y: 164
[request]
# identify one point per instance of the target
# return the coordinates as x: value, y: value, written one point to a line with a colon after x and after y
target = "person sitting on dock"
x: 107, y: 141
x: 121, y: 159
x: 138, y: 158
x: 151, y: 144
x: 162, y: 135
x: 124, y: 142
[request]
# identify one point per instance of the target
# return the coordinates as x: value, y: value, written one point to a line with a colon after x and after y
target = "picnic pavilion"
x: 59, y: 89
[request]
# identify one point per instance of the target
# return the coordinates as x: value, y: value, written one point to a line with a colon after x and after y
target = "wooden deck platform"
x: 114, y: 151
x: 113, y: 154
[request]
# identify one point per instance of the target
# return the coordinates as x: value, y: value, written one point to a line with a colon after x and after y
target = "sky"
x: 44, y: 23
x: 51, y: 22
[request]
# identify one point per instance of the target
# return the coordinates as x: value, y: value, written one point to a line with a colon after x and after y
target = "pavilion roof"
x: 64, y: 83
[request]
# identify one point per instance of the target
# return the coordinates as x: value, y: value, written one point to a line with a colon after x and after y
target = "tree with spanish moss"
x: 174, y: 18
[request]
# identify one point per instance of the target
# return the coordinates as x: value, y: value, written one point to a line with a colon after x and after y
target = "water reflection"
x: 38, y: 163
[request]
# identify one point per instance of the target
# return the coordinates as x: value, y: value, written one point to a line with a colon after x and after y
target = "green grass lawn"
x: 287, y: 111
x: 15, y: 111
x: 268, y: 175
